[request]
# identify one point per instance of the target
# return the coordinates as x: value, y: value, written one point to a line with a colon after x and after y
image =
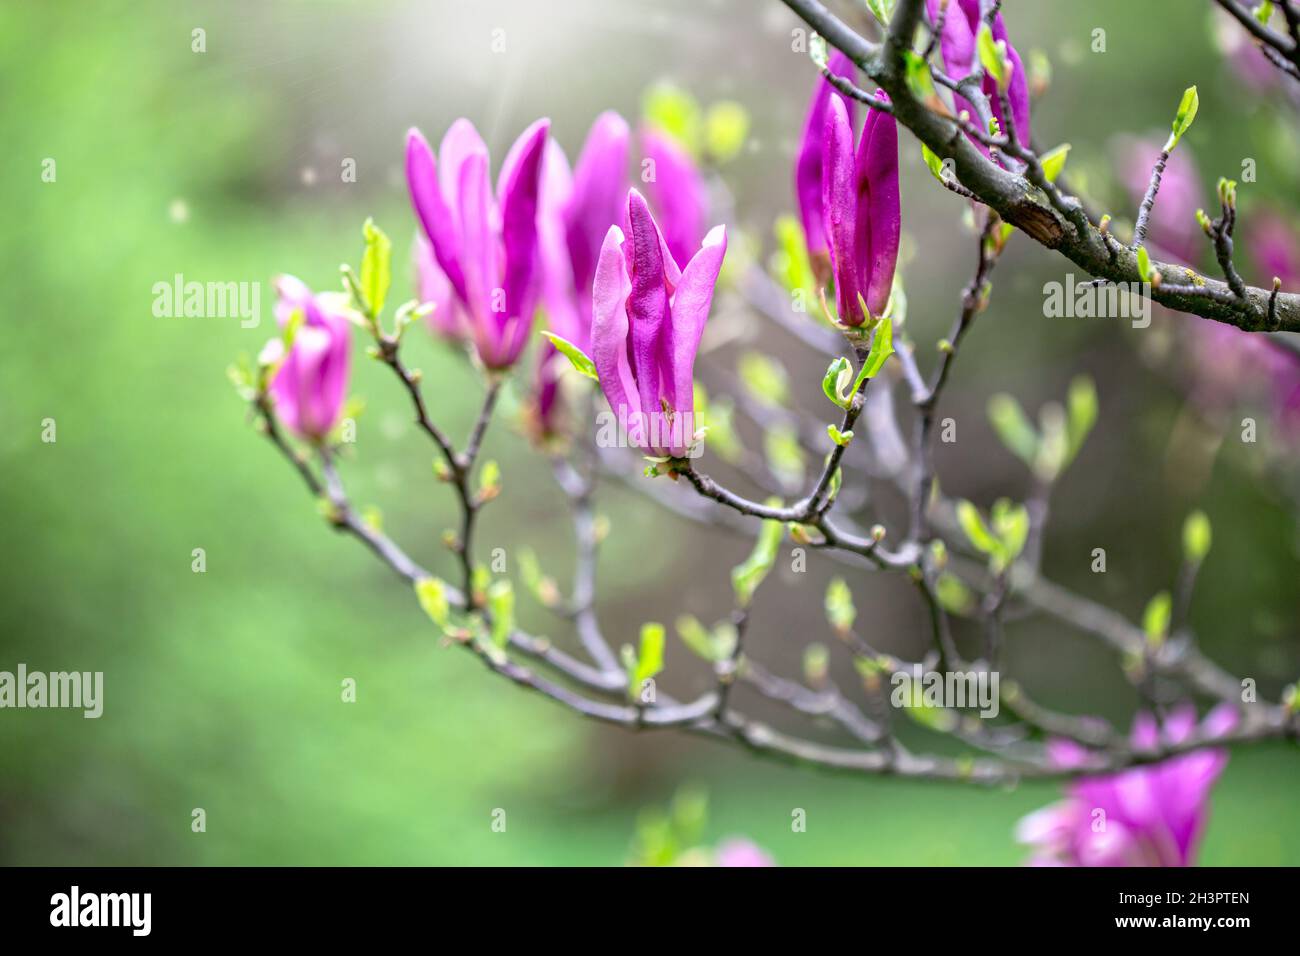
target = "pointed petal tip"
x: 538, y: 127
x: 637, y: 207
x: 613, y: 122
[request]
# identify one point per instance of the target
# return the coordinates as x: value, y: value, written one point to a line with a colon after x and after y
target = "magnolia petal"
x: 459, y: 143
x: 808, y: 165
x: 610, y: 329
x: 879, y: 210
x: 647, y: 305
x: 838, y: 208
x: 480, y: 260
x: 599, y: 185
x: 690, y: 310
x: 431, y: 207
x: 520, y: 184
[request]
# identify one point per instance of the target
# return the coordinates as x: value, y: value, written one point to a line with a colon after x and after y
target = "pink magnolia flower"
x: 310, y: 385
x: 1150, y: 815
x: 961, y: 26
x: 485, y: 242
x: 808, y: 166
x: 646, y: 326
x: 739, y: 851
x: 862, y: 210
x: 576, y: 208
x: 677, y: 193
x: 1172, y: 228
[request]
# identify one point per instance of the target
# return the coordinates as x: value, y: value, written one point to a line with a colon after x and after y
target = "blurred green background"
x: 223, y: 688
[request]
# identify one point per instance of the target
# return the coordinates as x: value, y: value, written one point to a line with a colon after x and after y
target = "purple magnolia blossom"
x: 739, y: 851
x: 576, y: 209
x: 677, y: 192
x: 961, y: 26
x: 310, y: 385
x: 808, y: 166
x: 646, y: 326
x: 861, y: 208
x: 1146, y: 816
x: 1172, y: 228
x: 485, y: 242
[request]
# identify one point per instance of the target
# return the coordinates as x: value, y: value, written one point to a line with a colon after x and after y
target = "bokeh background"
x: 223, y: 688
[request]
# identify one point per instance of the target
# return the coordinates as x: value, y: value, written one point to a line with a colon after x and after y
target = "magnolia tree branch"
x: 713, y: 714
x: 932, y: 546
x: 1055, y: 222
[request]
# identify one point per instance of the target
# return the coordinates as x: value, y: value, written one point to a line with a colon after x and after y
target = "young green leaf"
x: 1053, y: 161
x: 933, y: 163
x: 1144, y: 263
x: 882, y: 10
x: 840, y: 438
x: 576, y: 356
x: 836, y: 372
x: 918, y: 78
x: 1155, y: 619
x: 953, y: 594
x: 1081, y: 414
x: 993, y: 57
x: 647, y: 661
x: 530, y: 571
x: 1196, y: 537
x: 696, y: 637
x: 1010, y: 523
x: 1013, y: 427
x: 432, y: 595
x: 882, y: 346
x: 724, y: 638
x: 1187, y: 108
x: 972, y: 523
x: 376, y: 268
x: 676, y: 112
x: 1054, y: 444
x: 501, y: 605
x: 816, y: 664
x: 489, y: 480
x: 725, y: 129
x: 748, y: 575
x: 840, y: 611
